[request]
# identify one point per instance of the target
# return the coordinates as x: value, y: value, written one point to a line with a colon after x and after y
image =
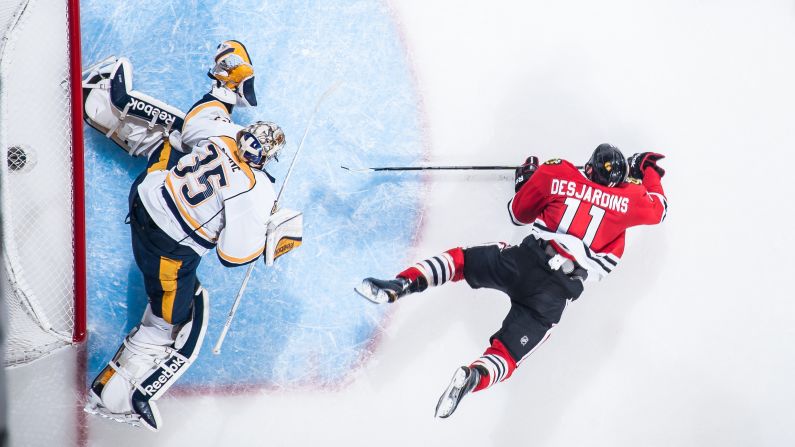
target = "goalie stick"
x: 233, y: 310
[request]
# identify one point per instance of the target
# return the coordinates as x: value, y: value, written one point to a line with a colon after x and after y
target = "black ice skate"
x: 382, y: 291
x: 464, y: 380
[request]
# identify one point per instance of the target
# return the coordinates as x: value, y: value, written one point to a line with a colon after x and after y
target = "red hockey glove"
x: 525, y: 171
x: 642, y: 160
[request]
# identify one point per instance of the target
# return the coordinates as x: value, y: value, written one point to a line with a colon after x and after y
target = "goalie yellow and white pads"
x: 284, y: 234
x: 138, y: 123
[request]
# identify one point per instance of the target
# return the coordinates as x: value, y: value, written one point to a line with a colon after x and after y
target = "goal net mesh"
x: 36, y: 179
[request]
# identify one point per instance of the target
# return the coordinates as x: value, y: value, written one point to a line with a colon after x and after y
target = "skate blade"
x: 371, y: 293
x: 452, y: 395
x: 124, y: 418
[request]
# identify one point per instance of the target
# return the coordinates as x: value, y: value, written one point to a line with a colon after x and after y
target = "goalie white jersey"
x: 211, y: 198
x: 209, y: 117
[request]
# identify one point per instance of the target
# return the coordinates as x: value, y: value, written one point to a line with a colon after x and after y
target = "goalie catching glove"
x: 234, y: 74
x: 284, y: 234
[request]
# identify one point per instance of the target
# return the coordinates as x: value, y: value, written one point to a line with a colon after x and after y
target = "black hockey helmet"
x: 607, y: 166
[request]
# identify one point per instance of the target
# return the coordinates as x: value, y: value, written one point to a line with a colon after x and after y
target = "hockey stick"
x: 431, y: 168
x: 436, y: 168
x: 233, y: 310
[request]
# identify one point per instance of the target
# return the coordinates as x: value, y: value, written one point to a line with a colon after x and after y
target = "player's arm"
x: 242, y: 240
x: 531, y: 191
x: 652, y: 206
x: 207, y: 118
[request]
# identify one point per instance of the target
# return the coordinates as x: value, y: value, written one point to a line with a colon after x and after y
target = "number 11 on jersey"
x: 572, y: 207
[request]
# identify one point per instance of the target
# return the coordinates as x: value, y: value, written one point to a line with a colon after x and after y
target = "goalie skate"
x: 94, y: 406
x: 382, y: 291
x: 464, y: 380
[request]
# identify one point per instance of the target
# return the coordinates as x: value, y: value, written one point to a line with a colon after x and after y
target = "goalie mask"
x: 234, y: 71
x: 260, y: 142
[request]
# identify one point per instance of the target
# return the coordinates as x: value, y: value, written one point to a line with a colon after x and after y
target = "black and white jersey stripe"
x: 514, y: 220
x: 662, y: 199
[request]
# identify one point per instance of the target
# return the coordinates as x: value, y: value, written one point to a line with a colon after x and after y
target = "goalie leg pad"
x: 137, y: 357
x: 148, y: 363
x: 187, y: 343
x: 135, y: 121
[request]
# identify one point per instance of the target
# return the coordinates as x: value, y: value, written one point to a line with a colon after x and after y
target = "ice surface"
x: 299, y: 323
x: 687, y: 343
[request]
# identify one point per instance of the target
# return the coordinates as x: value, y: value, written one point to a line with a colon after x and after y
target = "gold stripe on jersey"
x: 234, y: 260
x: 191, y: 221
x: 162, y: 162
x: 168, y: 282
x: 231, y: 144
x: 199, y: 108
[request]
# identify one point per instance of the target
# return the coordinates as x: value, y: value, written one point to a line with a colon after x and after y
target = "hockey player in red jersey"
x: 577, y: 220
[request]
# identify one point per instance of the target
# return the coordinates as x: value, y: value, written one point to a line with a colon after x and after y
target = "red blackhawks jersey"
x: 585, y: 221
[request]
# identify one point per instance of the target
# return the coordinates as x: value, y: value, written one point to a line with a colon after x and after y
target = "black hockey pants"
x: 538, y: 294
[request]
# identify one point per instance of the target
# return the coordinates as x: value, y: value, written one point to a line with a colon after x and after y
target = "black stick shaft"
x: 445, y: 168
x: 435, y: 168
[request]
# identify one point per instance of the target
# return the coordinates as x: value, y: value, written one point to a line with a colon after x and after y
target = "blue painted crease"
x: 299, y: 322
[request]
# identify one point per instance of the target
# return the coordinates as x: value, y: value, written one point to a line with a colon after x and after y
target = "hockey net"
x: 41, y: 180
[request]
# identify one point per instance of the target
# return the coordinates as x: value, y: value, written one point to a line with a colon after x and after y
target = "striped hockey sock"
x: 437, y: 270
x: 497, y: 364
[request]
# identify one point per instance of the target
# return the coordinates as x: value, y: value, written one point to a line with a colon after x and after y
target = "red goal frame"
x: 78, y: 172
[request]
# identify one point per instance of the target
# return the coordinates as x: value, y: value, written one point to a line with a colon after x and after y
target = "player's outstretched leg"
x: 495, y: 365
x: 434, y: 271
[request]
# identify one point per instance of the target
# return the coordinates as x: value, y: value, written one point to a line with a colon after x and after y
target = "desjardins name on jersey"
x: 590, y: 194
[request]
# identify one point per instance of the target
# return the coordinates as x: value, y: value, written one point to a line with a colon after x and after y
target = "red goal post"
x: 42, y: 224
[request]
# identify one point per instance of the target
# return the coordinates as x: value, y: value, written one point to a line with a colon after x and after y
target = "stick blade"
x: 356, y: 169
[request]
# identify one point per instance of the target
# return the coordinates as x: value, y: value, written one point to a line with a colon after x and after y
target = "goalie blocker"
x: 285, y: 233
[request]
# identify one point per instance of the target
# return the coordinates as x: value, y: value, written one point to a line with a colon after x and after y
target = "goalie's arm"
x: 207, y: 118
x: 246, y: 218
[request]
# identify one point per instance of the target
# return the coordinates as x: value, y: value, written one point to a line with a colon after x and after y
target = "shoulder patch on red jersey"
x: 554, y: 161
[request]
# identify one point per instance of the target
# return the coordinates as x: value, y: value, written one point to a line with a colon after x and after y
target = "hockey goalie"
x: 204, y: 187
